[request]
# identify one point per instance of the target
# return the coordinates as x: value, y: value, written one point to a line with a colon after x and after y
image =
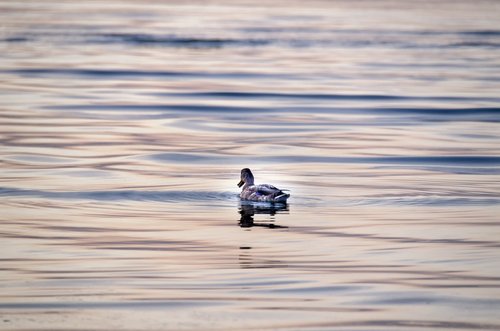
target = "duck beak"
x: 241, y: 183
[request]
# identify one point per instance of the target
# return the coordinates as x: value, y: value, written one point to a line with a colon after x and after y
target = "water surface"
x: 124, y: 126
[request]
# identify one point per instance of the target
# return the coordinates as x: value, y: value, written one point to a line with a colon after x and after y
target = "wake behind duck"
x: 262, y: 192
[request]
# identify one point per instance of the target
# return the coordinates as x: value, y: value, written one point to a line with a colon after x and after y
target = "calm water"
x: 124, y: 126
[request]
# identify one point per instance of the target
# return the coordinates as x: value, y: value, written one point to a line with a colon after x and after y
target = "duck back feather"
x: 262, y: 192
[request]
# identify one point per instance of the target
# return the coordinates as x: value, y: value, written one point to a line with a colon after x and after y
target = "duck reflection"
x: 248, y: 260
x: 248, y: 209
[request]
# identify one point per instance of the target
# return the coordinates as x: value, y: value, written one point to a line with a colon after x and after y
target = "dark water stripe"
x: 486, y: 33
x: 401, y: 160
x: 391, y: 324
x: 390, y: 41
x: 131, y: 195
x: 328, y: 110
x: 15, y: 39
x: 142, y: 38
x: 487, y: 44
x: 162, y: 107
x: 433, y: 111
x: 456, y: 160
x: 317, y: 96
x: 113, y: 73
x: 77, y: 31
x: 340, y: 38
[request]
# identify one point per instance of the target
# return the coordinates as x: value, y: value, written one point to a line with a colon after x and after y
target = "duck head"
x: 246, y: 177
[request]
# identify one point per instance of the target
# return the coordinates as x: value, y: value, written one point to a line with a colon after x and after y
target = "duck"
x: 262, y: 192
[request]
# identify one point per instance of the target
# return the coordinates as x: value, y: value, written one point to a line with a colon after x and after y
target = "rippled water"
x: 124, y: 126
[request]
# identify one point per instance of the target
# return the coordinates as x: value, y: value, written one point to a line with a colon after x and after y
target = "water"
x: 124, y: 126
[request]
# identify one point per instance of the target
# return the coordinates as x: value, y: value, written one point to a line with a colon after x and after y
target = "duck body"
x: 262, y: 192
